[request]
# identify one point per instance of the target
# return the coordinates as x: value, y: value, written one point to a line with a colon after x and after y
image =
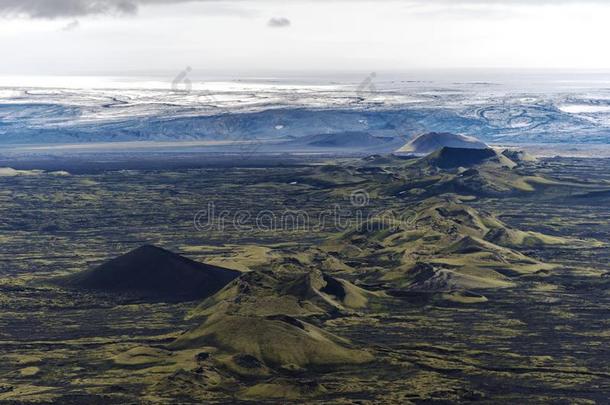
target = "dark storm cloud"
x: 279, y: 22
x: 79, y: 8
x: 65, y: 8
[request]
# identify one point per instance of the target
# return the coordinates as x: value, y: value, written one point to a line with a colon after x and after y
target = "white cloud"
x: 233, y: 37
x: 279, y: 22
x: 71, y: 26
x: 78, y: 8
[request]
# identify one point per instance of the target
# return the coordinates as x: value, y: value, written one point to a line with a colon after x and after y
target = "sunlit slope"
x: 300, y: 295
x: 274, y: 340
x: 442, y: 245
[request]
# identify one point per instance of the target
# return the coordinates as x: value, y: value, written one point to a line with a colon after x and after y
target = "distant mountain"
x: 350, y: 140
x: 433, y: 141
x: 153, y: 272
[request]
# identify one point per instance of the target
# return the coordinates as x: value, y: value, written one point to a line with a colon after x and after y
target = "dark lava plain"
x: 543, y: 340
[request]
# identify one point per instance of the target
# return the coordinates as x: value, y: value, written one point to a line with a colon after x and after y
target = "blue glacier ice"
x: 495, y: 112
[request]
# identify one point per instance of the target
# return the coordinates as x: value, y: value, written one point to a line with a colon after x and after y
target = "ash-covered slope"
x: 152, y: 272
x: 430, y: 142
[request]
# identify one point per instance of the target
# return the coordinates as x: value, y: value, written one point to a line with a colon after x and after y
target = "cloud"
x: 486, y: 9
x: 65, y: 8
x: 78, y: 8
x: 71, y: 26
x: 279, y: 22
x: 51, y: 9
x: 513, y: 2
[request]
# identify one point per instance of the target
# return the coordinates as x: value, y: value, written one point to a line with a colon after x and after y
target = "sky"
x: 252, y: 37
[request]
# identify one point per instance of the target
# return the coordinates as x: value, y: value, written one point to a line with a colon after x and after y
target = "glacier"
x: 274, y: 110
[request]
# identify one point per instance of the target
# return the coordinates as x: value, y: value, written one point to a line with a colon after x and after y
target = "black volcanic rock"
x: 447, y: 158
x: 152, y: 272
x: 518, y: 156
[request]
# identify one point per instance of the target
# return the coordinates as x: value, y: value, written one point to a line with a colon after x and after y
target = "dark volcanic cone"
x: 428, y: 143
x: 153, y: 272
